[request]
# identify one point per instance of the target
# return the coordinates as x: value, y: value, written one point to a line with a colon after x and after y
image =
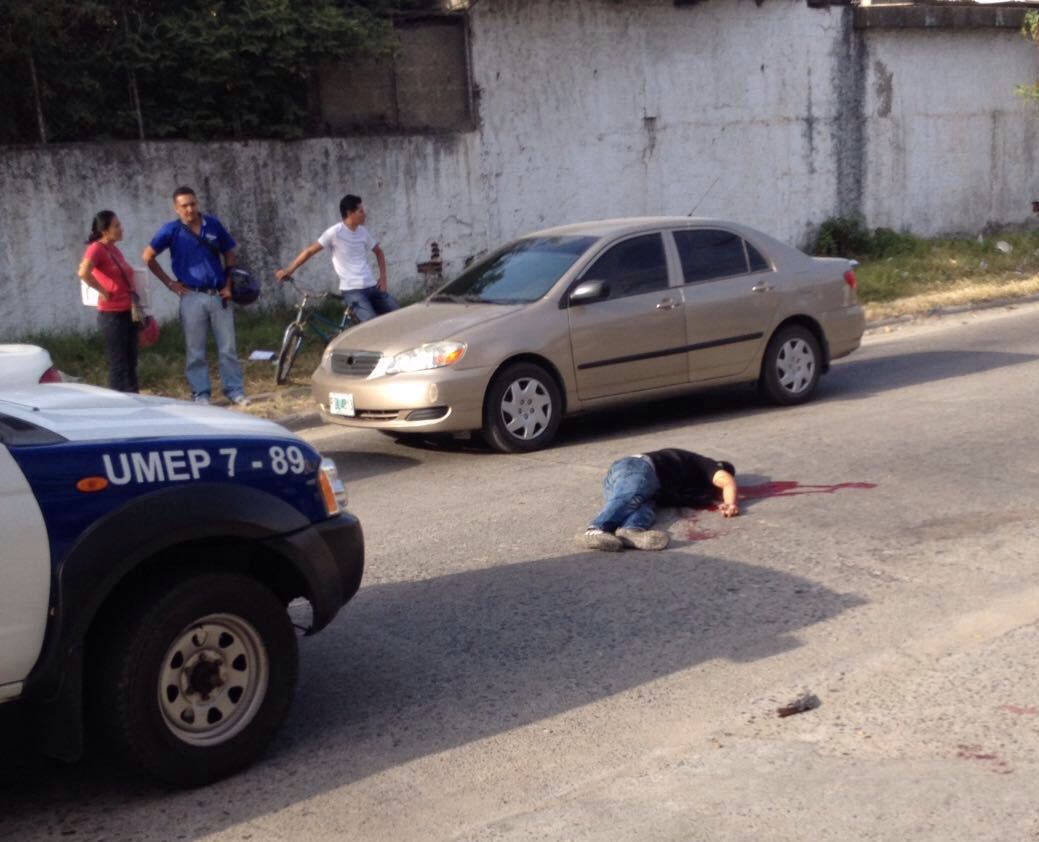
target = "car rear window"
x: 520, y: 272
x: 758, y: 262
x: 708, y: 253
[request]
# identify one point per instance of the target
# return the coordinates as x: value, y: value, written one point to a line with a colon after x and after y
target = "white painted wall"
x: 588, y: 108
x: 951, y: 146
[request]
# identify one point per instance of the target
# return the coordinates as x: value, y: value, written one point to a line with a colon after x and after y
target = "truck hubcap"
x: 213, y: 680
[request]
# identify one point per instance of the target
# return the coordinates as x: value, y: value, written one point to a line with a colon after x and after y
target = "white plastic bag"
x: 88, y: 294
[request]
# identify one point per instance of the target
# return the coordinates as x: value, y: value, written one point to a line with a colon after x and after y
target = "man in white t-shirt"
x: 350, y: 242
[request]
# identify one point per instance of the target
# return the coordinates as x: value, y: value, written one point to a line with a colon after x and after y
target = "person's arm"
x: 86, y: 274
x: 381, y: 259
x: 149, y: 257
x: 730, y: 491
x: 301, y: 258
x: 230, y: 261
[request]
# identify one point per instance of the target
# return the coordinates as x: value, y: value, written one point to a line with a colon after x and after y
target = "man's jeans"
x: 370, y: 302
x: 629, y: 488
x: 198, y: 313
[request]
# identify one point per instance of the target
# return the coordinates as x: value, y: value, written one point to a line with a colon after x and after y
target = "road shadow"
x: 864, y: 377
x: 850, y: 379
x: 354, y: 465
x: 413, y: 669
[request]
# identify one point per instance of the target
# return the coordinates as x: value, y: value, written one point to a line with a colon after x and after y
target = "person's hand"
x: 729, y: 510
x: 178, y: 289
x: 281, y: 274
x: 225, y: 292
x: 105, y: 294
x: 382, y: 283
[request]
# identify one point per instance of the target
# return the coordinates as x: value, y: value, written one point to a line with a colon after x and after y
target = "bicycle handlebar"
x: 319, y: 296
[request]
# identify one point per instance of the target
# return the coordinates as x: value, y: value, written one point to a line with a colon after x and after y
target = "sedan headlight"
x: 422, y: 358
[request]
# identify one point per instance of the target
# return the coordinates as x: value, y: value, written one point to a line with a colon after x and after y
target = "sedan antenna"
x: 704, y: 196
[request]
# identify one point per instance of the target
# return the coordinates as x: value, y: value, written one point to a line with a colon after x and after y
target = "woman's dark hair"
x: 102, y: 220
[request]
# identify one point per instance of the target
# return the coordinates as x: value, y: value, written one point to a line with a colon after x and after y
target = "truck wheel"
x: 192, y: 683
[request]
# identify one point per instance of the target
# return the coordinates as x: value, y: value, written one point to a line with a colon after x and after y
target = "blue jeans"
x: 628, y: 488
x: 370, y: 302
x: 198, y: 313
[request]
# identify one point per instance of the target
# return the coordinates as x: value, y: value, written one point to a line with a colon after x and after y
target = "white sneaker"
x: 201, y: 399
x: 240, y: 400
x: 596, y: 539
x: 643, y: 539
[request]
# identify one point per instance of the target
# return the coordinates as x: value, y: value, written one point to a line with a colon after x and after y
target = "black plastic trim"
x: 667, y: 352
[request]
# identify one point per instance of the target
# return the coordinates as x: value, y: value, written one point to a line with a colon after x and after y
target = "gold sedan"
x: 592, y: 315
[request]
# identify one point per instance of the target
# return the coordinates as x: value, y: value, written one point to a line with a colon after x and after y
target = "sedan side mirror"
x: 588, y: 291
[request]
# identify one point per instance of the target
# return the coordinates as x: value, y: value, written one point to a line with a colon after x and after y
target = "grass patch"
x: 161, y: 367
x: 898, y: 274
x: 896, y: 266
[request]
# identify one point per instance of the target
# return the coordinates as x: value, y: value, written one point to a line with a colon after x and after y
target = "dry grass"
x: 958, y: 294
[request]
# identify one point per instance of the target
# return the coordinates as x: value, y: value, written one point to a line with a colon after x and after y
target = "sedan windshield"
x: 520, y: 272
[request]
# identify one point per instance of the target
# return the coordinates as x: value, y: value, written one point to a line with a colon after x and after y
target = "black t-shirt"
x: 685, y: 477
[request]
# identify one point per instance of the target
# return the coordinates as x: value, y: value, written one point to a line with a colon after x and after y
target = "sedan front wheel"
x: 522, y: 410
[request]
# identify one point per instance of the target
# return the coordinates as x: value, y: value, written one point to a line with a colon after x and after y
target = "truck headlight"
x: 333, y: 492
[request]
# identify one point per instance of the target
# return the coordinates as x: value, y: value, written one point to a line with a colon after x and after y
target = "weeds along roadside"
x: 898, y: 275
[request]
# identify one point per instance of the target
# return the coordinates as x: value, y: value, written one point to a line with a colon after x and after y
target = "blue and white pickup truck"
x: 150, y: 549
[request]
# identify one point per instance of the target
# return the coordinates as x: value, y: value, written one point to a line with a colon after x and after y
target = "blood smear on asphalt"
x: 779, y: 488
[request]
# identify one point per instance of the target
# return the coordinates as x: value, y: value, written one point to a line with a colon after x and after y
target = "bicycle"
x: 326, y: 329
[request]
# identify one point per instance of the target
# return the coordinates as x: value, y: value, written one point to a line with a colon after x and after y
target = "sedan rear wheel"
x: 790, y: 371
x: 522, y: 409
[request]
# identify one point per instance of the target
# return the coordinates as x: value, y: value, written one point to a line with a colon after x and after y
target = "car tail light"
x: 51, y: 375
x: 849, y: 279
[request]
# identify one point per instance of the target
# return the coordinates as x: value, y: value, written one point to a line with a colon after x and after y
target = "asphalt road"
x: 492, y: 681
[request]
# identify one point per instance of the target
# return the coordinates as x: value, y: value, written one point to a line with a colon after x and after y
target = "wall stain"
x: 884, y: 88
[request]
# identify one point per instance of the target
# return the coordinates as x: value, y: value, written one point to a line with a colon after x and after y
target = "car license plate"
x: 340, y: 403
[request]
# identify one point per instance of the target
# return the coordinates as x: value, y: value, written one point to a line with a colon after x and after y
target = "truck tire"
x: 192, y: 681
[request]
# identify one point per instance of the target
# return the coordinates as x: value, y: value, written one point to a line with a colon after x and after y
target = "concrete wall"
x: 779, y: 116
x: 950, y: 146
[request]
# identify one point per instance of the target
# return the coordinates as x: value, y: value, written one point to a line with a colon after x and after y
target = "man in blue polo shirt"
x: 197, y: 242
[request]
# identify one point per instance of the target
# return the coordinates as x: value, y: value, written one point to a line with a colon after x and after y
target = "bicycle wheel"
x: 290, y: 346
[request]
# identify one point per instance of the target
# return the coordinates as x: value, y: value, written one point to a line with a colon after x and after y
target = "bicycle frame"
x: 325, y: 328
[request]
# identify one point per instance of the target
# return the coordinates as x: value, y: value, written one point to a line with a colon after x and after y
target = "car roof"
x: 620, y: 225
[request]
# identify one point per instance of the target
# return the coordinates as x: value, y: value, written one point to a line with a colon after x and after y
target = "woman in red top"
x: 105, y: 269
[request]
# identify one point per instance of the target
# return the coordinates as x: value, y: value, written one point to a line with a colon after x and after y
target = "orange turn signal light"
x: 88, y: 484
x: 328, y: 495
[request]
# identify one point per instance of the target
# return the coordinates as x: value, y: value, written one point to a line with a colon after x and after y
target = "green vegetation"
x: 161, y: 367
x: 197, y: 69
x: 1030, y: 29
x: 895, y: 265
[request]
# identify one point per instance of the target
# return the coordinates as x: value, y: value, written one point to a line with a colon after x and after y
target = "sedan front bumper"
x: 441, y: 400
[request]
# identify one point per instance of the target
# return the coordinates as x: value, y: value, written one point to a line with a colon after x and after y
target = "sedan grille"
x: 354, y: 363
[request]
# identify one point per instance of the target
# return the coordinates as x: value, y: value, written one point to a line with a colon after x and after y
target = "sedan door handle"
x: 667, y: 304
x: 762, y: 287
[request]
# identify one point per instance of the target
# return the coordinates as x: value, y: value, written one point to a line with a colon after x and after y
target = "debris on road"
x: 804, y: 702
